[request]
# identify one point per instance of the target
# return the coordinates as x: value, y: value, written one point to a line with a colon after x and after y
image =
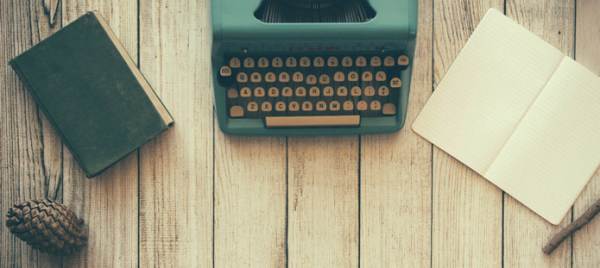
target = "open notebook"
x: 521, y: 114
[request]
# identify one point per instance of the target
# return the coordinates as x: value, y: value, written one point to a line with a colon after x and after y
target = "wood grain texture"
x: 250, y: 201
x: 107, y: 203
x: 395, y: 176
x: 525, y: 233
x: 31, y: 163
x: 586, y: 242
x: 467, y: 209
x: 323, y: 202
x: 176, y: 168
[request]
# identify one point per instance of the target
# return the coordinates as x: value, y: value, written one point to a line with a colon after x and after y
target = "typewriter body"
x: 312, y: 78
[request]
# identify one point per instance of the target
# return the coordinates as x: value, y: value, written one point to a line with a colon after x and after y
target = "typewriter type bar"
x: 312, y: 91
x: 313, y: 121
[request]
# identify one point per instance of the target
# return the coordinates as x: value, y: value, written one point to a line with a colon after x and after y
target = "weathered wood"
x: 586, y: 242
x: 395, y: 179
x: 467, y: 209
x: 525, y: 233
x: 323, y: 202
x: 31, y: 163
x: 176, y: 168
x: 250, y: 201
x: 108, y: 203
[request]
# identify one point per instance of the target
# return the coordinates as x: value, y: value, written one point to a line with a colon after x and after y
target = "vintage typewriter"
x: 309, y: 67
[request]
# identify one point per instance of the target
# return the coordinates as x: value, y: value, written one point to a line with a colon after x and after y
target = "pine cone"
x: 46, y: 225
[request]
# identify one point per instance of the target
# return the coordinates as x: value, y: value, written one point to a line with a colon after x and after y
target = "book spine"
x: 13, y: 63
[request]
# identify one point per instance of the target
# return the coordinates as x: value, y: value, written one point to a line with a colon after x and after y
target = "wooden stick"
x: 572, y: 228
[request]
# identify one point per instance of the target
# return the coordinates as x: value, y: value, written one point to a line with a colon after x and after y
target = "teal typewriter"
x: 312, y: 67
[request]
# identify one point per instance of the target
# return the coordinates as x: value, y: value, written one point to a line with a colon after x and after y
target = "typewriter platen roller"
x: 332, y: 67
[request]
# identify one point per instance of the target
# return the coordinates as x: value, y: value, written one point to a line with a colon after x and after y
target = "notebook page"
x: 487, y: 90
x: 556, y: 149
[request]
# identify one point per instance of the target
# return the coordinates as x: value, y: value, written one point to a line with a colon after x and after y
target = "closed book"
x: 92, y: 93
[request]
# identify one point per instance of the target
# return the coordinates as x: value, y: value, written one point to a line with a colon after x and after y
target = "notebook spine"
x: 14, y: 64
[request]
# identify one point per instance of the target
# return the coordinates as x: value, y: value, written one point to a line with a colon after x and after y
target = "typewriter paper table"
x: 194, y: 197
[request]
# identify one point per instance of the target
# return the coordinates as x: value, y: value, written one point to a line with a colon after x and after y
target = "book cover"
x: 521, y: 114
x: 92, y: 93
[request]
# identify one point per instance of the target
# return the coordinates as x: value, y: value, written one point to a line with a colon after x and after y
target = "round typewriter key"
x: 290, y: 62
x: 332, y: 62
x: 242, y: 78
x: 252, y: 107
x: 280, y: 106
x: 225, y: 71
x: 367, y: 76
x: 324, y: 79
x: 304, y: 62
x: 361, y: 61
x: 355, y: 92
x: 380, y: 76
x: 266, y: 106
x: 375, y: 61
x: 328, y: 91
x: 319, y: 62
x: 249, y: 63
x: 286, y: 92
x: 342, y: 91
x: 273, y: 92
x: 348, y: 106
x: 353, y: 76
x: 361, y: 105
x: 245, y: 92
x: 384, y: 91
x: 298, y: 77
x: 284, y: 77
x: 235, y: 63
x: 369, y: 91
x: 347, y: 62
x: 375, y: 105
x: 339, y: 77
x: 255, y: 77
x: 294, y: 106
x: 334, y: 106
x: 314, y: 92
x: 236, y: 111
x: 403, y: 60
x: 259, y: 92
x: 389, y: 109
x: 307, y: 106
x: 263, y: 62
x: 311, y: 79
x: 389, y: 61
x: 270, y: 77
x: 395, y: 82
x: 300, y: 92
x: 232, y: 93
x: 277, y: 62
x: 321, y: 106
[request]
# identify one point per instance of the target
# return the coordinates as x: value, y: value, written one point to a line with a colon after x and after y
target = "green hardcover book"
x: 92, y: 93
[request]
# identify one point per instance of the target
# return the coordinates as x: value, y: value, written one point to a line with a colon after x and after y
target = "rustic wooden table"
x: 194, y: 197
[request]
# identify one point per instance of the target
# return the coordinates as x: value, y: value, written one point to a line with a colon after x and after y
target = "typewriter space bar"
x: 313, y: 121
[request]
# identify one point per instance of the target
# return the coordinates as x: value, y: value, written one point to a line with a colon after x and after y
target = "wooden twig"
x: 572, y: 228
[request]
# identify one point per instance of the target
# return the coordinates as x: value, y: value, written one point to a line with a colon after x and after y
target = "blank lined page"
x: 487, y: 91
x: 556, y: 149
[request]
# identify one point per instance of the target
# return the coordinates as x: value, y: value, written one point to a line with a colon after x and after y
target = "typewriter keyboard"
x: 312, y: 91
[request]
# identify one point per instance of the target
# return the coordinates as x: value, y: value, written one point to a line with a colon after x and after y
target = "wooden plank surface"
x: 323, y: 201
x: 395, y: 176
x: 525, y: 233
x: 586, y: 242
x: 250, y: 201
x: 467, y: 209
x: 31, y: 163
x: 176, y: 168
x: 108, y: 203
